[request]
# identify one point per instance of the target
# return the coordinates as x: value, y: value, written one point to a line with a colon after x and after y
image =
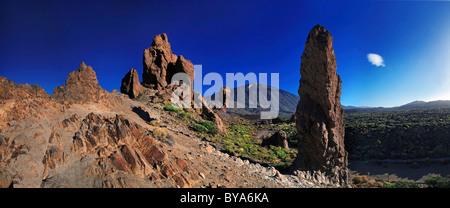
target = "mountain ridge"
x: 414, y: 105
x: 288, y: 101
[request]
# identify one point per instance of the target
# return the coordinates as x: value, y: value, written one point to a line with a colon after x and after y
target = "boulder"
x: 278, y: 139
x: 319, y: 115
x: 208, y: 113
x: 130, y: 84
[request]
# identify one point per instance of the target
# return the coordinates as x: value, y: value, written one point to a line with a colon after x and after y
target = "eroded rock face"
x: 121, y: 147
x: 10, y: 90
x: 130, y: 84
x: 81, y: 87
x: 46, y: 142
x: 319, y: 115
x: 160, y: 64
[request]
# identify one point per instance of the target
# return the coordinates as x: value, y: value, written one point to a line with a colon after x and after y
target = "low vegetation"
x: 160, y: 133
x: 240, y: 141
x: 206, y: 127
x: 362, y: 181
x: 398, y: 134
x: 438, y: 182
x: 291, y: 132
x: 171, y: 108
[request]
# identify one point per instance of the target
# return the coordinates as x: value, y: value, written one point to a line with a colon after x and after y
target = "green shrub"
x: 402, y: 184
x: 212, y: 127
x: 182, y: 114
x: 189, y: 116
x: 438, y: 182
x: 171, y: 108
x: 200, y: 128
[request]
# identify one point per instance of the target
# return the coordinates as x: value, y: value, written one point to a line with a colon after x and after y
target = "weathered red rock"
x: 130, y: 84
x: 319, y: 115
x: 277, y: 139
x: 10, y: 89
x: 160, y: 64
x: 81, y: 87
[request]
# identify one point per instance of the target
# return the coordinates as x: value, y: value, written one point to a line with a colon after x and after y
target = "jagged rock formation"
x: 277, y: 139
x: 46, y: 143
x: 130, y: 84
x: 10, y: 89
x: 81, y: 87
x: 319, y: 115
x: 160, y: 64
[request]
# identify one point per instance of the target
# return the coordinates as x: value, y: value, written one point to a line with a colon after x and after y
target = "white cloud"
x: 375, y: 59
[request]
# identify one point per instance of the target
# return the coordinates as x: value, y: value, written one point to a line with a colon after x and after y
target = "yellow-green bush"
x: 160, y: 133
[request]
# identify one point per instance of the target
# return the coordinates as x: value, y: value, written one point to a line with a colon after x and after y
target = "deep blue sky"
x: 41, y: 42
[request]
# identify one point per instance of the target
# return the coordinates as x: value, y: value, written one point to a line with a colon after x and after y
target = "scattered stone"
x: 202, y: 175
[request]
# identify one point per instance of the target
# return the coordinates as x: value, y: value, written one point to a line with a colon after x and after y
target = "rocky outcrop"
x: 81, y: 87
x: 278, y: 139
x: 226, y: 92
x: 208, y: 113
x: 10, y: 90
x: 160, y: 64
x: 121, y: 147
x: 319, y: 115
x: 224, y: 100
x: 131, y: 85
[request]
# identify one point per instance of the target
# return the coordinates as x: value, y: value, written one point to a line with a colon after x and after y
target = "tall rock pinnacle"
x: 160, y: 64
x: 319, y: 115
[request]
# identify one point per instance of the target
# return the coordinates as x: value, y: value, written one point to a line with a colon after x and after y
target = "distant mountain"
x: 416, y: 105
x: 288, y: 101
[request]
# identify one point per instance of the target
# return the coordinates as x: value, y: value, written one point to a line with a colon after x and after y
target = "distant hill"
x: 288, y: 101
x: 416, y: 105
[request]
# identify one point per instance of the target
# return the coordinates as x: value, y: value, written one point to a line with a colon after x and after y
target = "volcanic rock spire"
x: 160, y: 64
x: 130, y: 84
x: 319, y: 116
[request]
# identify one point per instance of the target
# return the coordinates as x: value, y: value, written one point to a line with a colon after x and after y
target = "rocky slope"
x: 84, y: 136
